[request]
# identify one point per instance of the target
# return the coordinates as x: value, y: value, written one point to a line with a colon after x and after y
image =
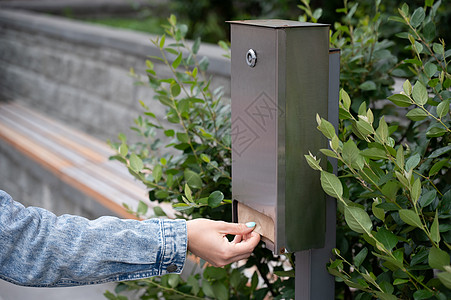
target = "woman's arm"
x: 39, y: 249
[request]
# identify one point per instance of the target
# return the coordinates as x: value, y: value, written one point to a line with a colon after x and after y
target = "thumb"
x: 236, y: 229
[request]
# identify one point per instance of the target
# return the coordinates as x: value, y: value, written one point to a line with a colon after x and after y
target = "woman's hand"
x: 207, y: 239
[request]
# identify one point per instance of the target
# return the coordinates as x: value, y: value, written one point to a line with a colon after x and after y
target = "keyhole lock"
x: 251, y: 58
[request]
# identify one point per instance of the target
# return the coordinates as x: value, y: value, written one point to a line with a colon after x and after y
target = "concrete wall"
x: 79, y: 73
x: 88, y: 8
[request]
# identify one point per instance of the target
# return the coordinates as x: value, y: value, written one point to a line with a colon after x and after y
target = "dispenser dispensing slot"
x: 265, y: 225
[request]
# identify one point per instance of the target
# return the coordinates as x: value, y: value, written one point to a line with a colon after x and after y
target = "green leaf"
x: 160, y: 194
x: 430, y: 69
x: 360, y: 257
x: 415, y: 190
x: 410, y: 217
x: 205, y: 158
x: 215, y: 199
x: 328, y: 152
x: 435, y: 233
x: 436, y: 131
x: 215, y: 273
x: 331, y: 185
x: 362, y: 109
x: 157, y: 172
x: 402, y: 179
x: 429, y: 31
x: 386, y: 287
x: 374, y: 153
x: 142, y: 208
x: 351, y: 155
x: 171, y: 50
x: 378, y: 212
x: 335, y: 143
x: 194, y: 283
x: 417, y: 114
x: 188, y: 194
x: 193, y: 179
x: 419, y: 93
x: 220, y: 290
x: 122, y: 138
x: 418, y: 47
x: 173, y: 280
x: 364, y: 127
x: 289, y: 273
x: 203, y: 63
x: 236, y: 278
x: 387, y: 238
x: 433, y: 82
x: 368, y: 86
x: 162, y: 40
x: 254, y: 281
x: 417, y: 17
x: 422, y: 294
x: 399, y: 281
x: 317, y: 13
x: 136, y: 163
x: 438, y: 166
x: 382, y: 131
x: 385, y: 296
x: 196, y: 45
x: 344, y: 97
x: 175, y: 89
x: 445, y: 278
x: 207, y: 289
x: 438, y: 48
x: 420, y: 257
x: 412, y: 162
x: 438, y: 258
x: 183, y: 137
x: 400, y: 100
x: 313, y: 162
x: 400, y: 157
x: 407, y: 87
x: 159, y: 212
x: 357, y: 219
x: 443, y: 108
x: 181, y: 207
x: 427, y: 198
x: 123, y: 149
x: 169, y: 132
x: 177, y: 61
x: 327, y: 128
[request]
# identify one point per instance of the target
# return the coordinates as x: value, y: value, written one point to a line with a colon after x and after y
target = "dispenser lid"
x: 276, y: 23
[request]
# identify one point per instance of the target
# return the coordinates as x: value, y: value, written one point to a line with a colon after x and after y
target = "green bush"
x: 393, y: 187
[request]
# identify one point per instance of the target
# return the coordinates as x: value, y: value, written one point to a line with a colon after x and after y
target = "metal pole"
x: 312, y: 280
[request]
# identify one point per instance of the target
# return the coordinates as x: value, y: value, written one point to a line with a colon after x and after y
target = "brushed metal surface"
x: 274, y: 105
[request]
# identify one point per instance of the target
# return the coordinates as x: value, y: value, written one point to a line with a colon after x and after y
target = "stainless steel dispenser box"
x: 280, y: 79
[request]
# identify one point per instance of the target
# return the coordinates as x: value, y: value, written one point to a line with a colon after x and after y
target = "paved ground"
x: 10, y: 291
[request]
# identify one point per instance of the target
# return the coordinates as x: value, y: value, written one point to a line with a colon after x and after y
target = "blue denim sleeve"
x: 38, y: 248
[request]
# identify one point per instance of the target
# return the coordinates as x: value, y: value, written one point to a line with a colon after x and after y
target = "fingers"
x: 242, y: 249
x: 236, y: 229
x: 237, y: 239
x: 207, y: 239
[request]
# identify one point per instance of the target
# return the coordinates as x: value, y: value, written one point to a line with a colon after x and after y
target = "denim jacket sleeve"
x: 38, y: 248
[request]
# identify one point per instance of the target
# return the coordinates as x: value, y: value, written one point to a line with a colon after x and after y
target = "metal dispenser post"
x: 280, y: 81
